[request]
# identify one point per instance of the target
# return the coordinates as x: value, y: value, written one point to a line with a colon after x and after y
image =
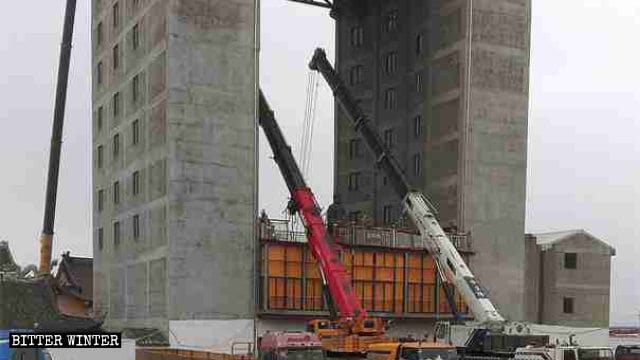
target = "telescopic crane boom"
x: 354, y: 331
x: 419, y: 209
x: 46, y: 238
x: 320, y: 243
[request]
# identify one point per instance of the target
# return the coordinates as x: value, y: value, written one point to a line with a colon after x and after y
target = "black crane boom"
x: 382, y: 154
x: 46, y: 238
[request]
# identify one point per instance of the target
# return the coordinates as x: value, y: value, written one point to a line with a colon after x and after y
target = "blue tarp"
x: 5, y: 352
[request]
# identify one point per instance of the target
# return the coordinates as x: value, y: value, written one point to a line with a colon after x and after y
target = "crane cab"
x: 290, y: 346
x: 411, y: 351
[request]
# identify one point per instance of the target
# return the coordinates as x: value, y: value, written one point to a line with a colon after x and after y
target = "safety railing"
x: 358, y: 235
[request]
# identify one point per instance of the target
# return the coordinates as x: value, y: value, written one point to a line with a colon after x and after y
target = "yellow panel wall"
x: 386, y: 280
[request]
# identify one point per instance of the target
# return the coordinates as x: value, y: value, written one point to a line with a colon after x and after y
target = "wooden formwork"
x: 184, y: 354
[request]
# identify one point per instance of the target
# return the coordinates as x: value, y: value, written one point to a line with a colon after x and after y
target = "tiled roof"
x: 546, y: 240
x: 79, y: 272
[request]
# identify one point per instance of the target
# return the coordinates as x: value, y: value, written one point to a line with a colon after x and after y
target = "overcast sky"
x: 584, y: 124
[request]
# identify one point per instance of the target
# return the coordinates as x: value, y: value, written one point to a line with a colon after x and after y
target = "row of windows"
x: 135, y: 190
x: 390, y: 25
x: 116, y: 144
x: 117, y: 232
x: 116, y: 102
x: 116, y: 53
x: 357, y: 34
x: 356, y: 72
x: 354, y: 178
x: 389, y: 138
x: 115, y: 22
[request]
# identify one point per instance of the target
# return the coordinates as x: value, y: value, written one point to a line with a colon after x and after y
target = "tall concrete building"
x: 446, y: 83
x: 174, y: 166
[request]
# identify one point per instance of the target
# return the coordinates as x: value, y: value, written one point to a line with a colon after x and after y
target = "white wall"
x: 216, y: 335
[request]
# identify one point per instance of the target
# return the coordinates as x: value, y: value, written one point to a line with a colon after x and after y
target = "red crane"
x: 353, y: 331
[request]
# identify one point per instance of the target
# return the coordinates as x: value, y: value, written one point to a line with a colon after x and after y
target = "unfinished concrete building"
x: 174, y: 166
x: 568, y: 279
x: 447, y: 84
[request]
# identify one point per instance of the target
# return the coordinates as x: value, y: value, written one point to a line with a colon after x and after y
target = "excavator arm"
x: 422, y: 213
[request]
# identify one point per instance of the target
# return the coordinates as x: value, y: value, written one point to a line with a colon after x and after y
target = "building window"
x: 417, y: 126
x: 136, y: 183
x: 354, y: 148
x: 100, y: 200
x: 100, y: 117
x: 570, y: 260
x: 418, y: 83
x: 135, y: 88
x: 354, y: 216
x: 391, y: 63
x: 99, y: 71
x: 116, y: 234
x: 136, y: 226
x: 100, y: 156
x: 567, y: 305
x: 388, y: 138
x: 357, y: 36
x: 116, y: 104
x: 99, y: 34
x: 417, y: 164
x: 354, y: 181
x: 391, y: 23
x: 116, y: 192
x: 390, y: 100
x: 387, y: 214
x: 418, y: 44
x: 135, y: 132
x: 116, y: 145
x: 116, y: 15
x: 116, y: 56
x: 100, y: 239
x: 355, y: 74
x: 135, y: 36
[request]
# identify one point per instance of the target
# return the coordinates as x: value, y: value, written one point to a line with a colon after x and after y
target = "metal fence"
x: 359, y: 235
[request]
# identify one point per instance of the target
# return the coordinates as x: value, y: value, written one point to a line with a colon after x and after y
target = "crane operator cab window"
x: 409, y: 353
x: 321, y: 325
x: 369, y: 324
